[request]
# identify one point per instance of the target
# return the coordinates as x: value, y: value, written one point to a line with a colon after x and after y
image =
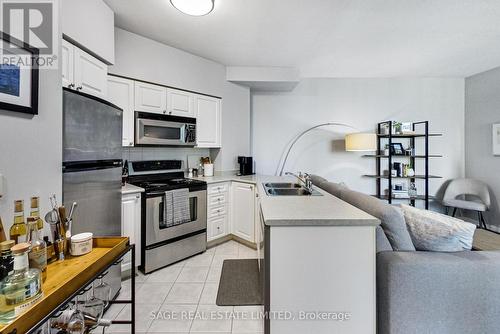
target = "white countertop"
x: 131, y: 189
x: 326, y: 210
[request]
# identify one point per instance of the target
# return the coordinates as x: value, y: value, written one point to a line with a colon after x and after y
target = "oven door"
x: 157, y: 232
x: 157, y: 132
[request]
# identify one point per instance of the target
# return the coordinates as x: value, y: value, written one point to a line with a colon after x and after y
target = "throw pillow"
x: 432, y: 231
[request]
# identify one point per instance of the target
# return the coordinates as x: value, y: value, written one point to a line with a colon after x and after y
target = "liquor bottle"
x: 6, y: 258
x: 35, y: 211
x: 38, y: 252
x: 20, y: 289
x: 18, y: 229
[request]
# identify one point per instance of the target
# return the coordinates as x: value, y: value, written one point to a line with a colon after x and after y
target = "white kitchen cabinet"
x: 150, y: 98
x: 243, y: 210
x: 67, y: 57
x: 121, y: 93
x: 180, y: 103
x: 217, y: 210
x: 208, y: 121
x: 131, y: 226
x: 83, y: 72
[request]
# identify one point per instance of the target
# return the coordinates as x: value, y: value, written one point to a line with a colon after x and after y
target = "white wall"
x: 31, y: 150
x: 145, y: 59
x: 482, y: 109
x: 279, y: 117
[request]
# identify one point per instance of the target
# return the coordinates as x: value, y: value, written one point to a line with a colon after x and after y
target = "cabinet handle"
x: 137, y: 196
x: 131, y: 144
x: 79, y: 88
x: 170, y: 113
x: 71, y: 85
x: 164, y: 112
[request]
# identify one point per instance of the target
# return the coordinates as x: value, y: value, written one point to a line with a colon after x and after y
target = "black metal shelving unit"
x: 390, y: 138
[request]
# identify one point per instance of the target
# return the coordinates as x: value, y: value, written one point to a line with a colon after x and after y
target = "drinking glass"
x: 103, y: 292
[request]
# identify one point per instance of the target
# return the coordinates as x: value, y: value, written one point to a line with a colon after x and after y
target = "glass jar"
x: 6, y: 258
x: 20, y: 289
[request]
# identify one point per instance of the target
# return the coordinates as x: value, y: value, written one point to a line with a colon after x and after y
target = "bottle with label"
x: 38, y: 252
x: 6, y: 258
x: 20, y: 289
x: 35, y: 211
x: 18, y: 229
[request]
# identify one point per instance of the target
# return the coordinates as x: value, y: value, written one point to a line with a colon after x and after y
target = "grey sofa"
x: 427, y: 292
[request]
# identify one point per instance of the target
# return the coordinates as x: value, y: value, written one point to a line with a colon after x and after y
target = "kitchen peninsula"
x: 317, y: 258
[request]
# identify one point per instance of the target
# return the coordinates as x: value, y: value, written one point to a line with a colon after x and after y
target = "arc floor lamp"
x: 354, y: 142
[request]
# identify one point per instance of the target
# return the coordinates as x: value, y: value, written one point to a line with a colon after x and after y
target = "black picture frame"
x: 397, y: 149
x: 33, y: 108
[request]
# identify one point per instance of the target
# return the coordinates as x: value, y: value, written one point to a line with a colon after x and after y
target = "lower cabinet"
x: 232, y: 209
x: 243, y: 210
x: 131, y: 226
x: 217, y: 210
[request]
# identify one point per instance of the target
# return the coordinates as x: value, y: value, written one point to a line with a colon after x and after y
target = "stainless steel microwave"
x: 164, y: 130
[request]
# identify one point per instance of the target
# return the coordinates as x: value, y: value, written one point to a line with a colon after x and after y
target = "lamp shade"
x: 360, y: 142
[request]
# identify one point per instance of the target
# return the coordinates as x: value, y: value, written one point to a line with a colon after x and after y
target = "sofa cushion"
x: 382, y: 242
x: 333, y: 188
x: 391, y: 218
x: 432, y: 231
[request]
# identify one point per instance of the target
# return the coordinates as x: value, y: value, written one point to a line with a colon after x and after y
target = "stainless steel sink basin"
x: 288, y: 189
x: 282, y: 185
x: 288, y: 192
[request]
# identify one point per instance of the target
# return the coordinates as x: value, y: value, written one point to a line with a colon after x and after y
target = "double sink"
x: 288, y: 189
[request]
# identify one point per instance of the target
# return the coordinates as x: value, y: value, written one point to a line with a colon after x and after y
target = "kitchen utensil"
x: 60, y: 248
x: 72, y: 210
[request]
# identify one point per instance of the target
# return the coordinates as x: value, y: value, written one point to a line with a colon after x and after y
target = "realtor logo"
x: 34, y: 23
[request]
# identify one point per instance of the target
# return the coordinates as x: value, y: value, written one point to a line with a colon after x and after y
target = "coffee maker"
x: 246, y: 165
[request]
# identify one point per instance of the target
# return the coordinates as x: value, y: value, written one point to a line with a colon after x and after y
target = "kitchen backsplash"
x: 162, y: 153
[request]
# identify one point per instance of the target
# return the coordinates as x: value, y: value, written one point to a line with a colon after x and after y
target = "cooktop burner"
x: 156, y: 180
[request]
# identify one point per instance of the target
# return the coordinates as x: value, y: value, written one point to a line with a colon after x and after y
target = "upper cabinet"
x: 180, y: 103
x: 90, y: 24
x: 121, y: 93
x: 83, y: 72
x: 208, y: 121
x: 150, y: 98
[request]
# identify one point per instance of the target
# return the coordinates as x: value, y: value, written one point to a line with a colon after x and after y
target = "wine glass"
x: 103, y: 291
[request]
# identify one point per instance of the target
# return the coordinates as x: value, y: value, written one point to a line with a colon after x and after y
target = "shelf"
x: 64, y: 278
x: 415, y: 135
x: 401, y: 156
x: 403, y: 177
x: 418, y: 198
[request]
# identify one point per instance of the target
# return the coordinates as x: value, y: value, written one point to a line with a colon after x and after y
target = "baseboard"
x: 229, y: 237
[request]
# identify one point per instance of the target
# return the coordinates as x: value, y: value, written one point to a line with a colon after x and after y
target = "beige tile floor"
x: 188, y: 290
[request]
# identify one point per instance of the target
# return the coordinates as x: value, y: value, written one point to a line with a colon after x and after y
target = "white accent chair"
x: 468, y: 194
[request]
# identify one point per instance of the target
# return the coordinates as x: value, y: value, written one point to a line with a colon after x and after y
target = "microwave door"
x: 154, y: 132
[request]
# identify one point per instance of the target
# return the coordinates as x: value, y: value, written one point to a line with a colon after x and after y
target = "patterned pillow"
x: 432, y: 231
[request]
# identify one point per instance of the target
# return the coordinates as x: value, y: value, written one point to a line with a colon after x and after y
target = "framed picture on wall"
x: 18, y: 76
x: 496, y: 139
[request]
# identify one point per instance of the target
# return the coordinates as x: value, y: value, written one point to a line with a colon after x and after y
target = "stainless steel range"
x: 164, y: 239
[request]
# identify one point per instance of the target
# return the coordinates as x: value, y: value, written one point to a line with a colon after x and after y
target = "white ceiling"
x: 331, y: 38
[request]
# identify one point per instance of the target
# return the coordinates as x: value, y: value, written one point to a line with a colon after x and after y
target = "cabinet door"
x: 131, y: 226
x: 67, y: 59
x: 150, y: 98
x: 180, y: 103
x: 243, y: 210
x: 208, y: 121
x: 91, y: 74
x: 121, y: 93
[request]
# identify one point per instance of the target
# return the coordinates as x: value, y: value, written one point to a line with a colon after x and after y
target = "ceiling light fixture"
x: 194, y: 7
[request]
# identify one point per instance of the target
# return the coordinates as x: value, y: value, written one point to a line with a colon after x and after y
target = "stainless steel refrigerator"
x: 92, y: 167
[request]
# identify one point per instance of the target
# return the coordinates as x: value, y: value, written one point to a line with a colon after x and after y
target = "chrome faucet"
x: 305, y: 179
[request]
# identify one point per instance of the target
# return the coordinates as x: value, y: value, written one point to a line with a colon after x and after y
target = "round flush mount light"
x: 194, y: 7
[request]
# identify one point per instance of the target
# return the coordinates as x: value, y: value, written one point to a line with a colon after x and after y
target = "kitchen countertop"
x: 326, y: 210
x: 131, y: 189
